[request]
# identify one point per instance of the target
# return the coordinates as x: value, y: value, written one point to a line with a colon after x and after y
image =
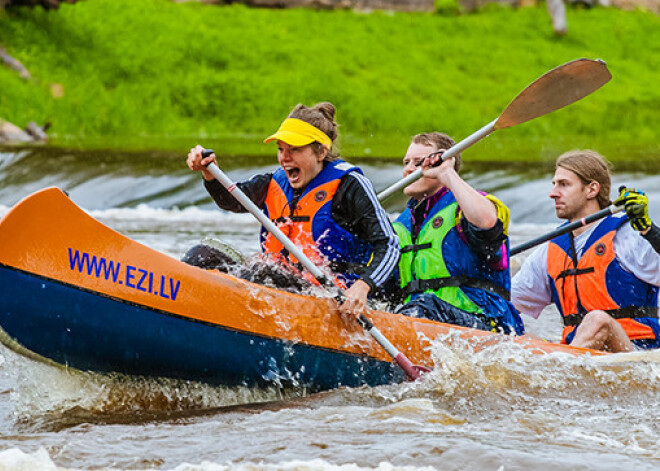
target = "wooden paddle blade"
x: 555, y: 89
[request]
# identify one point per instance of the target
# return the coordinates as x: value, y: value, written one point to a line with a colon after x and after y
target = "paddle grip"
x: 207, y: 152
x: 433, y: 154
x: 364, y: 322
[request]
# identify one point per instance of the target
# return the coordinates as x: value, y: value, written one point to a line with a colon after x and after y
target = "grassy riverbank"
x: 152, y: 73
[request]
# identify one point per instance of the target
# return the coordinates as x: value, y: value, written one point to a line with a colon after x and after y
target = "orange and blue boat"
x: 79, y: 294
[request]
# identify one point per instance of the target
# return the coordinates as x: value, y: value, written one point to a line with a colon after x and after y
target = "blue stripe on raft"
x: 93, y: 332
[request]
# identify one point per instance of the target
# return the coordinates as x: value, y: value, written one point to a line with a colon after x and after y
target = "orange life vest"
x: 308, y: 223
x: 598, y: 281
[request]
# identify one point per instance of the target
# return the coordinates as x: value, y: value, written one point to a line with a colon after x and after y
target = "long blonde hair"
x: 590, y: 166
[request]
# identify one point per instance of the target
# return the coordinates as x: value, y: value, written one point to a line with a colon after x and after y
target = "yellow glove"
x: 636, y: 205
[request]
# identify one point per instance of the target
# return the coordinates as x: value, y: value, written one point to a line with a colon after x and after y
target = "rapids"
x: 502, y: 408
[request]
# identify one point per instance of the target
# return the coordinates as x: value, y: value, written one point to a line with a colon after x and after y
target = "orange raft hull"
x: 82, y: 295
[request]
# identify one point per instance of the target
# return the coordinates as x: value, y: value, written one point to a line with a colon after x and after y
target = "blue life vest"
x: 440, y: 256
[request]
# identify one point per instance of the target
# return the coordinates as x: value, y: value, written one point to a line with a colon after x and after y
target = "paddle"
x: 412, y: 372
x: 555, y: 89
x: 611, y: 209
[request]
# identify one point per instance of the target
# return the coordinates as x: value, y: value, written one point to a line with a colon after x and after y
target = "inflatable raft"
x: 79, y: 294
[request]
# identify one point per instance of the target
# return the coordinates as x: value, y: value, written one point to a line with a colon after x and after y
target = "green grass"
x: 155, y: 74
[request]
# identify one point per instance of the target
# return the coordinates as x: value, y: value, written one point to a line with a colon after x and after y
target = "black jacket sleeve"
x: 355, y: 207
x: 486, y: 243
x: 255, y: 188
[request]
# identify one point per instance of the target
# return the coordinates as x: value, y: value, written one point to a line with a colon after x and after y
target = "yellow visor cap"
x: 297, y: 132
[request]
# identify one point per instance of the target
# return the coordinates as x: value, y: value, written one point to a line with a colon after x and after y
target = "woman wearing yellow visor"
x: 324, y: 205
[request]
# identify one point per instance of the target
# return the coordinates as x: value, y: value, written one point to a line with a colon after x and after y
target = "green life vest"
x: 423, y: 259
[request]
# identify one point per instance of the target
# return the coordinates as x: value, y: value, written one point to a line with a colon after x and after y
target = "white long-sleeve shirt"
x: 530, y: 287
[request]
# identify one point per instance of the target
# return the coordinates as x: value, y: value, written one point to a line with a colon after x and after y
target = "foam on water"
x: 16, y: 460
x: 148, y: 215
x: 298, y: 465
x: 509, y: 366
x: 500, y: 408
x: 55, y: 397
x: 459, y: 458
x: 495, y: 373
x: 173, y: 231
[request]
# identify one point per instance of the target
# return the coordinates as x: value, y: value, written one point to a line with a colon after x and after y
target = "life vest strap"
x: 628, y: 312
x: 574, y: 272
x: 415, y: 247
x: 282, y: 219
x: 420, y: 286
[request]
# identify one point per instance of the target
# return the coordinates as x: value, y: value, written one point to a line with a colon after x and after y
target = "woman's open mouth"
x: 293, y: 174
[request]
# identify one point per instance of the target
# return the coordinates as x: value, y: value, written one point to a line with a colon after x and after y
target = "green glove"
x: 636, y: 205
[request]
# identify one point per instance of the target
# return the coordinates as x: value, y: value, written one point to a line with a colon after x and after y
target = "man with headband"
x: 604, y: 277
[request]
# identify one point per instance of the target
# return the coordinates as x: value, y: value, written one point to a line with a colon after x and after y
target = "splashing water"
x: 56, y: 397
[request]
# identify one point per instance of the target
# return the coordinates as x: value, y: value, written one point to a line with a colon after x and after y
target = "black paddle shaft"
x: 565, y: 229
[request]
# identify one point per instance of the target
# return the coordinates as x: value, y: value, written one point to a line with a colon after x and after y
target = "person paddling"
x: 454, y: 245
x: 326, y: 206
x: 602, y: 277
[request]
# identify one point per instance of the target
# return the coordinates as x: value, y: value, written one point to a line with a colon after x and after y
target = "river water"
x: 499, y: 409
